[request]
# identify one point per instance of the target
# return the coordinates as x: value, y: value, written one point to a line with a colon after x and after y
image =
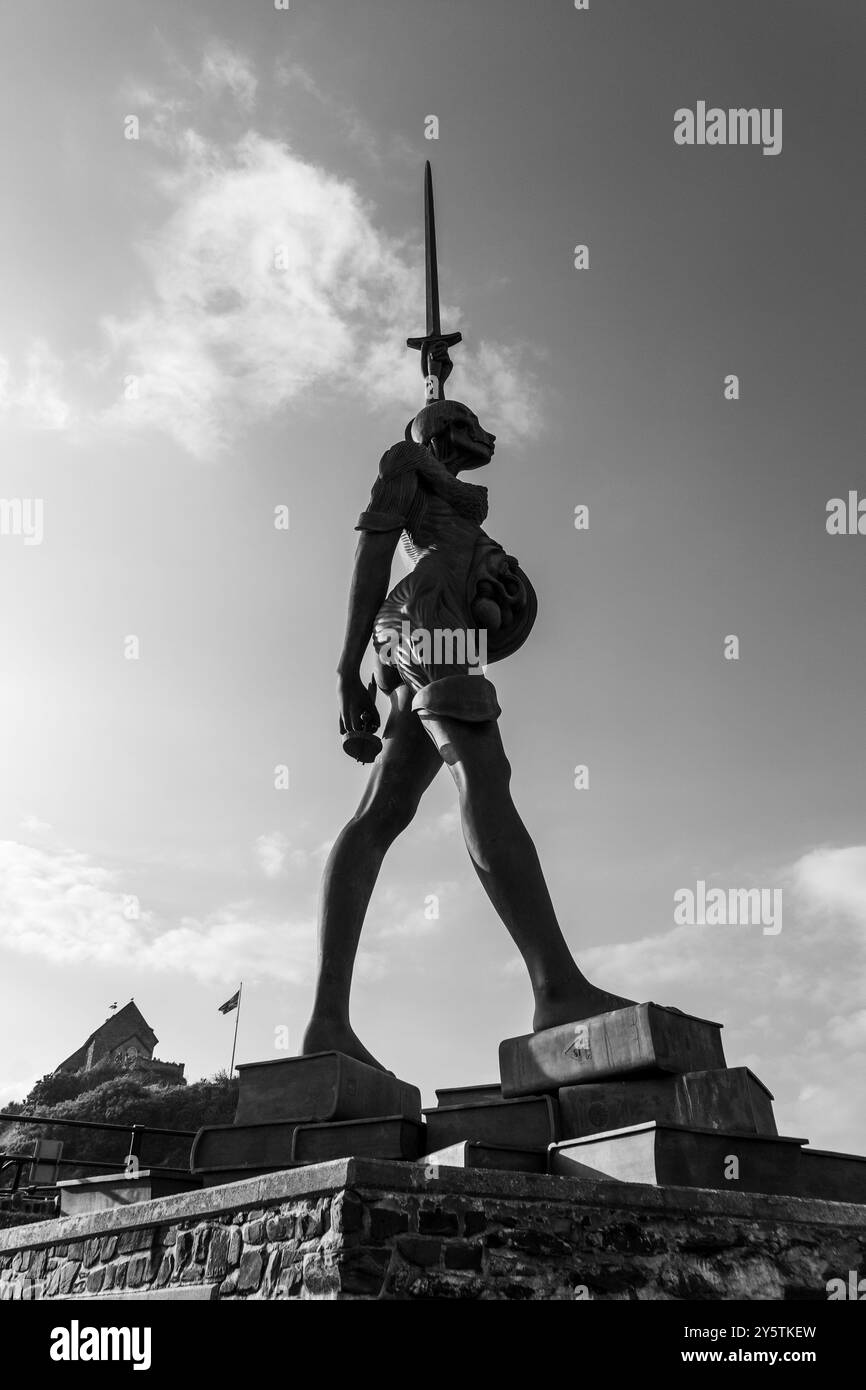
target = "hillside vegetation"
x: 123, y: 1099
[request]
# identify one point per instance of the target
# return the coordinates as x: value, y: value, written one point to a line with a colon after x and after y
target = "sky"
x: 207, y: 323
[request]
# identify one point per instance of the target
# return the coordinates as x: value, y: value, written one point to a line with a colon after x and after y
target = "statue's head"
x: 451, y: 431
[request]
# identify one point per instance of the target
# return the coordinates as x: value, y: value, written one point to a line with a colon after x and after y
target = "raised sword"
x: 436, y: 370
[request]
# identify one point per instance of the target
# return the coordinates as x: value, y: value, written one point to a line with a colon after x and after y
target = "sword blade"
x: 434, y: 327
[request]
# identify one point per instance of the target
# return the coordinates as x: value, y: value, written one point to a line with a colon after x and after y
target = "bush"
x: 9, y: 1218
x: 58, y: 1086
x: 121, y: 1100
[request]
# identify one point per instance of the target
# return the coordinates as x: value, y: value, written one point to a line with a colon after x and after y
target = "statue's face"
x: 471, y: 446
x: 454, y: 434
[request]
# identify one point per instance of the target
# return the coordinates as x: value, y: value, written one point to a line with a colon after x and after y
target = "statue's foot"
x: 334, y: 1035
x: 572, y: 1005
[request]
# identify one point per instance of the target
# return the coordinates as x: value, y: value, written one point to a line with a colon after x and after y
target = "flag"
x: 230, y: 1004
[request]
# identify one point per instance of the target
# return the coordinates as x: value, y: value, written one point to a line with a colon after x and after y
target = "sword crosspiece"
x: 436, y: 370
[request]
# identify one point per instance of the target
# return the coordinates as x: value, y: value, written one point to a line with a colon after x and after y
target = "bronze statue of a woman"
x: 462, y: 595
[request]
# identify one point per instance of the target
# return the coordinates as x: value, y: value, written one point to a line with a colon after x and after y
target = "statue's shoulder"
x: 403, y: 458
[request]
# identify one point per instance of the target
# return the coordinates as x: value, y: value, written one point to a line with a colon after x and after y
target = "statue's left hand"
x: 358, y: 713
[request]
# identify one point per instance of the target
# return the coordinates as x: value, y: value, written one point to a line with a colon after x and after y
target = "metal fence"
x: 137, y: 1135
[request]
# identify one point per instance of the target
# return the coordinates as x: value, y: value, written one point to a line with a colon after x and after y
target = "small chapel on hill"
x: 127, y: 1041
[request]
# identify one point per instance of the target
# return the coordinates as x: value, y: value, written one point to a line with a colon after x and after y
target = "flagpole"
x: 237, y: 1021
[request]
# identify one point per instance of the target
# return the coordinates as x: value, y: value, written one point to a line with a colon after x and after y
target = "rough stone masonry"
x: 365, y: 1229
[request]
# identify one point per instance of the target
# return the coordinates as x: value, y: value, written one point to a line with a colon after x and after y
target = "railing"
x: 137, y: 1135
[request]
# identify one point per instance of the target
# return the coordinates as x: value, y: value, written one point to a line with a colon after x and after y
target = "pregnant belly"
x: 500, y: 599
x: 484, y: 597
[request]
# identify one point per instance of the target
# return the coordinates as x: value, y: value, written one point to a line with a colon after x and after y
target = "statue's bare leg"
x: 507, y: 864
x: 399, y: 777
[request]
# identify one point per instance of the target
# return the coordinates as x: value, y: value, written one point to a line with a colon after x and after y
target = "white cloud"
x: 848, y: 1031
x: 33, y: 395
x: 409, y: 927
x: 59, y: 906
x: 381, y: 148
x: 443, y: 827
x: 275, y: 854
x: 14, y: 1091
x: 291, y: 74
x: 315, y: 857
x: 819, y: 958
x: 221, y: 945
x: 224, y: 69
x: 33, y: 825
x: 370, y: 967
x: 406, y: 916
x: 271, y: 854
x: 834, y: 881
x: 268, y: 281
x: 270, y: 278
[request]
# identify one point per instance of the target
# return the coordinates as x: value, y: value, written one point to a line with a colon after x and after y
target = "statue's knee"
x: 395, y: 816
x: 388, y: 815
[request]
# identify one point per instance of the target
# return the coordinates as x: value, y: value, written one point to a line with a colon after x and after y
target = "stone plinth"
x: 366, y: 1228
x: 80, y: 1195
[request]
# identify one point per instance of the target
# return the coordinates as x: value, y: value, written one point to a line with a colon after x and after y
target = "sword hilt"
x: 432, y: 372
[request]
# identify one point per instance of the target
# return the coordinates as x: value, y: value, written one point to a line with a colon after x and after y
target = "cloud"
x: 260, y: 283
x: 303, y: 858
x: 218, y: 946
x: 33, y: 396
x: 269, y: 281
x: 834, y: 881
x: 824, y: 896
x: 15, y: 1091
x: 224, y: 81
x: 380, y: 148
x: 33, y: 825
x: 275, y: 854
x: 407, y: 916
x: 61, y: 907
x: 443, y: 827
x: 848, y: 1032
x: 409, y: 928
x: 271, y: 854
x: 266, y: 283
x: 225, y: 70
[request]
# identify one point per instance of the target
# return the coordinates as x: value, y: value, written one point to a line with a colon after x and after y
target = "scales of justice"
x: 601, y: 1085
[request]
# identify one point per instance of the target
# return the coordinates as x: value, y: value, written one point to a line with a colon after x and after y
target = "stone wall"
x: 366, y: 1229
